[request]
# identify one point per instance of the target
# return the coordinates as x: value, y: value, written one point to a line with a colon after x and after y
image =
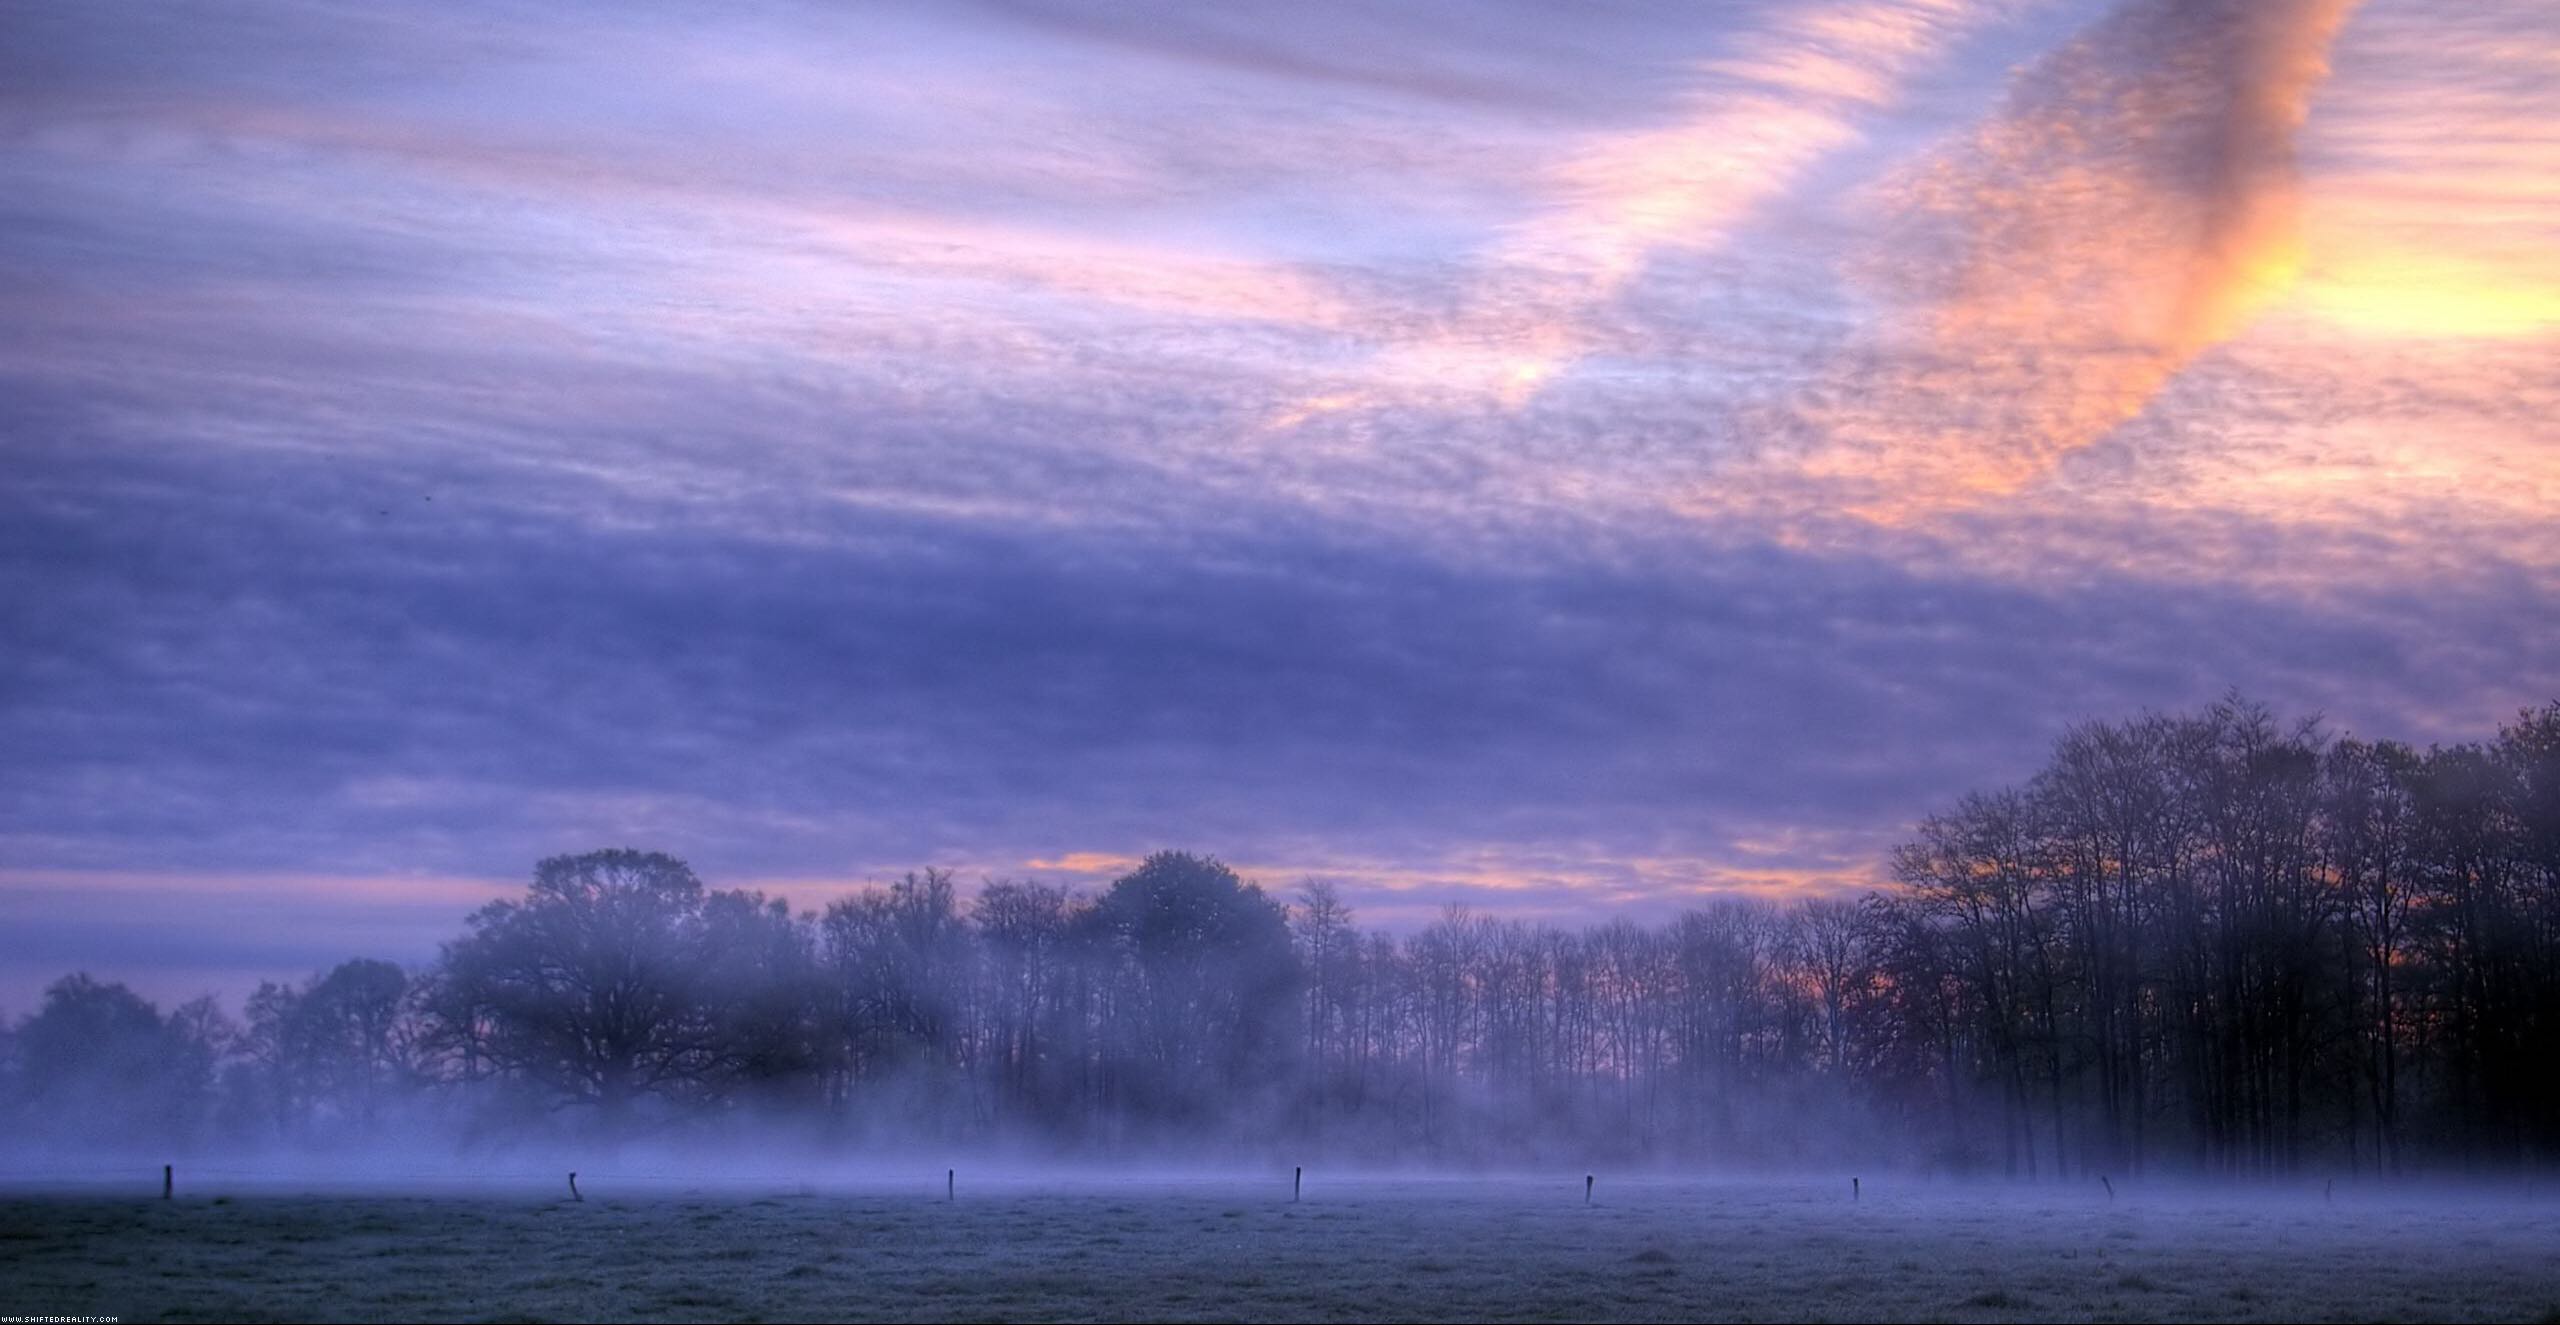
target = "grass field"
x: 1232, y: 1249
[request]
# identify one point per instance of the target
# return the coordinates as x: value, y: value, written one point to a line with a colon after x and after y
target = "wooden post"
x: 951, y: 1184
x: 573, y: 1186
x: 1853, y: 1189
x: 2111, y: 1187
x: 1297, y: 1182
x: 1586, y: 1189
x: 168, y: 1181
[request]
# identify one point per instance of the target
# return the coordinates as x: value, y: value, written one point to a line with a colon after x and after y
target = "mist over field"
x: 2218, y: 944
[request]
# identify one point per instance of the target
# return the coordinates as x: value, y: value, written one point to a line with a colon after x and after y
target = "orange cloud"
x: 2134, y: 204
x: 1098, y: 863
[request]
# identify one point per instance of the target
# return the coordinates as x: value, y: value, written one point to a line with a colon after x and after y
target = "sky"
x: 1570, y: 460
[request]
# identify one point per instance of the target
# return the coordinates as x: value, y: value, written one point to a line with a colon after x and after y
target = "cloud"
x: 2132, y: 205
x: 1757, y: 118
x: 271, y: 662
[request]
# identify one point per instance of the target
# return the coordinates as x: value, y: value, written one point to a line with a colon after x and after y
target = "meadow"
x: 1238, y: 1248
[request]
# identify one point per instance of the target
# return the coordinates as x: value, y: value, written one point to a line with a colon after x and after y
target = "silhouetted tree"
x: 1036, y: 1034
x: 899, y: 971
x: 97, y: 1065
x: 1206, y: 990
x: 763, y: 995
x: 341, y: 1043
x: 595, y: 988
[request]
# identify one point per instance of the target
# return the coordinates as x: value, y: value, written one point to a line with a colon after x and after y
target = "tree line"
x: 2216, y: 942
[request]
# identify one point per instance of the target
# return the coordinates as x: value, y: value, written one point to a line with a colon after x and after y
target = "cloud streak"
x: 1761, y: 115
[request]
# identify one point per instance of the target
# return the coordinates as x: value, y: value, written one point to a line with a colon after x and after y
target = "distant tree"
x: 2369, y: 829
x: 1977, y: 871
x: 898, y: 966
x: 197, y: 1037
x: 340, y: 1043
x: 595, y: 987
x: 1830, y: 943
x: 1035, y: 1029
x: 1209, y: 981
x: 763, y: 993
x: 98, y: 1065
x: 2529, y: 750
x: 1327, y: 944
